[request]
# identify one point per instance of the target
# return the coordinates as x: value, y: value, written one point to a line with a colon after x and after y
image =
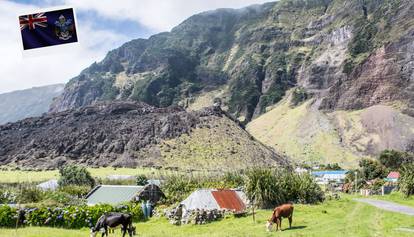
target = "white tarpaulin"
x: 200, y: 199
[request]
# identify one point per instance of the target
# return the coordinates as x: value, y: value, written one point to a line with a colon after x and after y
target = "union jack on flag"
x: 32, y: 21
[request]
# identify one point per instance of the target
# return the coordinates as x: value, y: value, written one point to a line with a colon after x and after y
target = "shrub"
x: 75, y: 175
x: 372, y: 169
x: 268, y: 188
x: 407, y: 179
x: 177, y: 187
x: 75, y: 190
x: 7, y: 216
x: 299, y: 95
x: 395, y: 159
x: 29, y: 194
x: 68, y: 217
x: 142, y: 180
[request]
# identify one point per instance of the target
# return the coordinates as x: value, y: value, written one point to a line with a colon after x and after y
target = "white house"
x: 329, y: 176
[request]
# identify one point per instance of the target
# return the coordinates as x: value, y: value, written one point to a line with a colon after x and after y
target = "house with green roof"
x: 115, y: 194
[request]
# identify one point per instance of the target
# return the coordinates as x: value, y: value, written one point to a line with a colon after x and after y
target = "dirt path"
x: 389, y: 206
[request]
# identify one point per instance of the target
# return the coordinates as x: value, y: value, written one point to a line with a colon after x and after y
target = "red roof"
x: 229, y: 199
x: 393, y: 175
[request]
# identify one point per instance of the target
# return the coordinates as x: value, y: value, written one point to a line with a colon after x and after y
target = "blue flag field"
x: 48, y: 28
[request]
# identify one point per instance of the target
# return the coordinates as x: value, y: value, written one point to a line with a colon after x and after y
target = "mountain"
x: 32, y: 102
x: 131, y: 134
x: 309, y: 135
x: 310, y: 76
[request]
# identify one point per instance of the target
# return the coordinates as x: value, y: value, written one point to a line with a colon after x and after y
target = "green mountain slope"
x: 344, y: 55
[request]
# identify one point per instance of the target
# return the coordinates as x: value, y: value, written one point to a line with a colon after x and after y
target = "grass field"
x: 398, y: 198
x: 333, y: 218
x: 18, y: 176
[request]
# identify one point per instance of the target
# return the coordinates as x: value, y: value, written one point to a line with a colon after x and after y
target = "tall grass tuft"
x: 268, y: 188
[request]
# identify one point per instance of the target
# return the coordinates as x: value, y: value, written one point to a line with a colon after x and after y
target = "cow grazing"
x: 112, y: 220
x: 283, y: 211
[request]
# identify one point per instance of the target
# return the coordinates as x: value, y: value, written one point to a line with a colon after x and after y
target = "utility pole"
x: 356, y: 181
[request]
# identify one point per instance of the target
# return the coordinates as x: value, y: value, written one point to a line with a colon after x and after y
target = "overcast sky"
x: 102, y: 26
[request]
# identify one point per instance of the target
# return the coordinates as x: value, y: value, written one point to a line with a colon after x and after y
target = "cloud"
x: 18, y: 72
x: 159, y: 15
x: 97, y: 34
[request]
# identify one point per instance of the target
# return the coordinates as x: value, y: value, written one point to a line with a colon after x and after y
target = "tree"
x: 407, y: 179
x: 393, y: 159
x: 372, y: 169
x: 75, y: 175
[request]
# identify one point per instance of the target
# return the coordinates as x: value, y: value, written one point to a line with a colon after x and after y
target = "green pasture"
x: 333, y: 218
x: 20, y: 176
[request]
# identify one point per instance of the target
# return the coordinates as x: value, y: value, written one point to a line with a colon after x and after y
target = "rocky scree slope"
x: 131, y: 134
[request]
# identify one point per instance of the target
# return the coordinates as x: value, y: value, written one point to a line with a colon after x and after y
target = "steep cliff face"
x: 133, y: 134
x: 32, y: 102
x: 335, y: 49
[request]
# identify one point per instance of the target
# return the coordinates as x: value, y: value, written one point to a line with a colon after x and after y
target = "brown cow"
x: 285, y: 211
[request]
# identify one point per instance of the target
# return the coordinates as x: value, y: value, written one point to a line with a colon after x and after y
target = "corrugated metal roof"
x: 330, y: 172
x: 393, y: 175
x: 112, y: 194
x: 229, y: 199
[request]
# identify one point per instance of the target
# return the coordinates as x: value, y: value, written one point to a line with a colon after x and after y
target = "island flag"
x: 48, y: 28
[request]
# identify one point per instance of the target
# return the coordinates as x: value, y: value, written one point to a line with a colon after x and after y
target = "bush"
x: 142, y: 180
x: 75, y: 190
x: 372, y: 169
x: 28, y: 194
x: 7, y: 216
x: 177, y: 187
x: 407, y: 179
x: 299, y: 95
x: 268, y: 188
x: 395, y: 159
x: 68, y: 217
x: 75, y: 175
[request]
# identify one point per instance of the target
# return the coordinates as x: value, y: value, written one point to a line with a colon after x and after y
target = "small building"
x: 51, y: 185
x: 393, y: 177
x: 330, y: 176
x: 120, y: 177
x: 216, y: 199
x: 115, y: 194
x: 301, y: 170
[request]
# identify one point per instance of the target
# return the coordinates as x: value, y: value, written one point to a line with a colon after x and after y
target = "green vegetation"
x: 394, y: 160
x: 331, y: 219
x: 306, y: 135
x: 178, y: 187
x: 71, y: 217
x: 8, y: 175
x: 397, y: 197
x: 407, y: 179
x: 299, y: 95
x: 268, y: 188
x: 141, y: 179
x: 334, y: 166
x: 75, y: 175
x: 371, y: 169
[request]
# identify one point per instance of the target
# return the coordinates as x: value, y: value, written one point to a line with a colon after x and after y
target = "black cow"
x: 112, y: 220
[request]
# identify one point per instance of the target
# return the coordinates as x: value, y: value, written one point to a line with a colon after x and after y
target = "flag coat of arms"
x: 48, y: 28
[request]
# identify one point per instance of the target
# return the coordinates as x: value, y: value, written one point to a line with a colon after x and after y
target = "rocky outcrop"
x: 386, y: 76
x: 127, y: 134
